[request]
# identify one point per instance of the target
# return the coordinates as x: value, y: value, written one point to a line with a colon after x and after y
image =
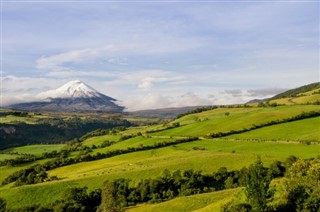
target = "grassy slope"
x: 4, y: 156
x: 200, y: 202
x: 151, y: 163
x: 216, y: 121
x: 36, y: 149
x: 98, y: 140
x: 301, y: 98
x: 133, y: 142
x: 302, y: 130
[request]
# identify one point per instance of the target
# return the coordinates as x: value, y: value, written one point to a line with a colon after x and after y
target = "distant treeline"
x: 52, y: 131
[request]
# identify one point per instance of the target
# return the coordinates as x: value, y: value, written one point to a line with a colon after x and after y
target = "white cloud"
x: 57, y: 62
x: 156, y: 100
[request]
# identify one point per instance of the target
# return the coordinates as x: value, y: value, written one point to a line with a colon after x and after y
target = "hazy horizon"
x: 151, y: 54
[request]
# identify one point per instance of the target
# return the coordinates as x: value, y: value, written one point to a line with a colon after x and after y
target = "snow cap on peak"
x: 72, y: 89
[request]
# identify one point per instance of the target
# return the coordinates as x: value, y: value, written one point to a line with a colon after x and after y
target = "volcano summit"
x: 74, y: 96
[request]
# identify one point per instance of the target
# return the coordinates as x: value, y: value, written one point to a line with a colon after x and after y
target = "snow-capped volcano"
x: 72, y: 89
x: 74, y: 96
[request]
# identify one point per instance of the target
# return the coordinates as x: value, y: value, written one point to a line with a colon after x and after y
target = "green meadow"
x: 149, y: 164
x: 301, y: 130
x: 227, y: 119
x: 35, y: 149
x: 199, y: 202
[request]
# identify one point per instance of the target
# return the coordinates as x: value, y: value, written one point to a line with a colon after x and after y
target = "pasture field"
x: 9, y: 119
x: 36, y: 149
x: 98, y: 140
x: 199, y: 202
x: 137, y: 141
x: 301, y: 130
x: 149, y: 164
x: 227, y: 119
x: 4, y: 156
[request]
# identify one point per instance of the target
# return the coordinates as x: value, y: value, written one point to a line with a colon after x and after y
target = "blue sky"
x: 152, y: 54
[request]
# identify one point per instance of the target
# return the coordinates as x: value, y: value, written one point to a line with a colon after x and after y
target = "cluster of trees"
x: 302, y: 191
x: 303, y: 115
x: 32, y: 175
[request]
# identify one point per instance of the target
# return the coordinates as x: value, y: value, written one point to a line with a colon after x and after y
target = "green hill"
x: 271, y: 132
x: 297, y: 91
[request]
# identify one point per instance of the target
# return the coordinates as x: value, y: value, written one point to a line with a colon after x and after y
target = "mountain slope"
x: 74, y: 96
x: 296, y: 91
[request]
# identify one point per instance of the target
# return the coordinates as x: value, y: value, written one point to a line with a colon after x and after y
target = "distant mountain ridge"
x: 74, y: 96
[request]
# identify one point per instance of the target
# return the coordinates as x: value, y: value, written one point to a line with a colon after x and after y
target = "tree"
x: 110, y: 200
x: 3, y: 205
x: 257, y: 186
x: 303, y: 186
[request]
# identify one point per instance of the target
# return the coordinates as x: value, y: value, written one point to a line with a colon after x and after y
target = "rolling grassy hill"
x: 227, y: 119
x: 301, y: 130
x: 274, y: 142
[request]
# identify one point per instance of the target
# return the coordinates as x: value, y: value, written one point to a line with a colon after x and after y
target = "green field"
x: 139, y: 165
x: 216, y: 120
x: 200, y: 203
x: 98, y: 140
x: 138, y: 141
x: 36, y: 149
x: 301, y: 130
x: 4, y: 156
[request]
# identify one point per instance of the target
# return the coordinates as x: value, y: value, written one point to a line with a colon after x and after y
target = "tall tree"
x: 257, y: 186
x: 303, y: 186
x: 110, y: 200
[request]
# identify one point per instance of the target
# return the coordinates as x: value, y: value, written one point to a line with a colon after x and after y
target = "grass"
x: 98, y: 140
x: 231, y: 153
x: 301, y: 130
x: 36, y: 149
x: 214, y: 121
x: 139, y: 165
x: 199, y: 202
x: 4, y: 156
x: 133, y: 142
